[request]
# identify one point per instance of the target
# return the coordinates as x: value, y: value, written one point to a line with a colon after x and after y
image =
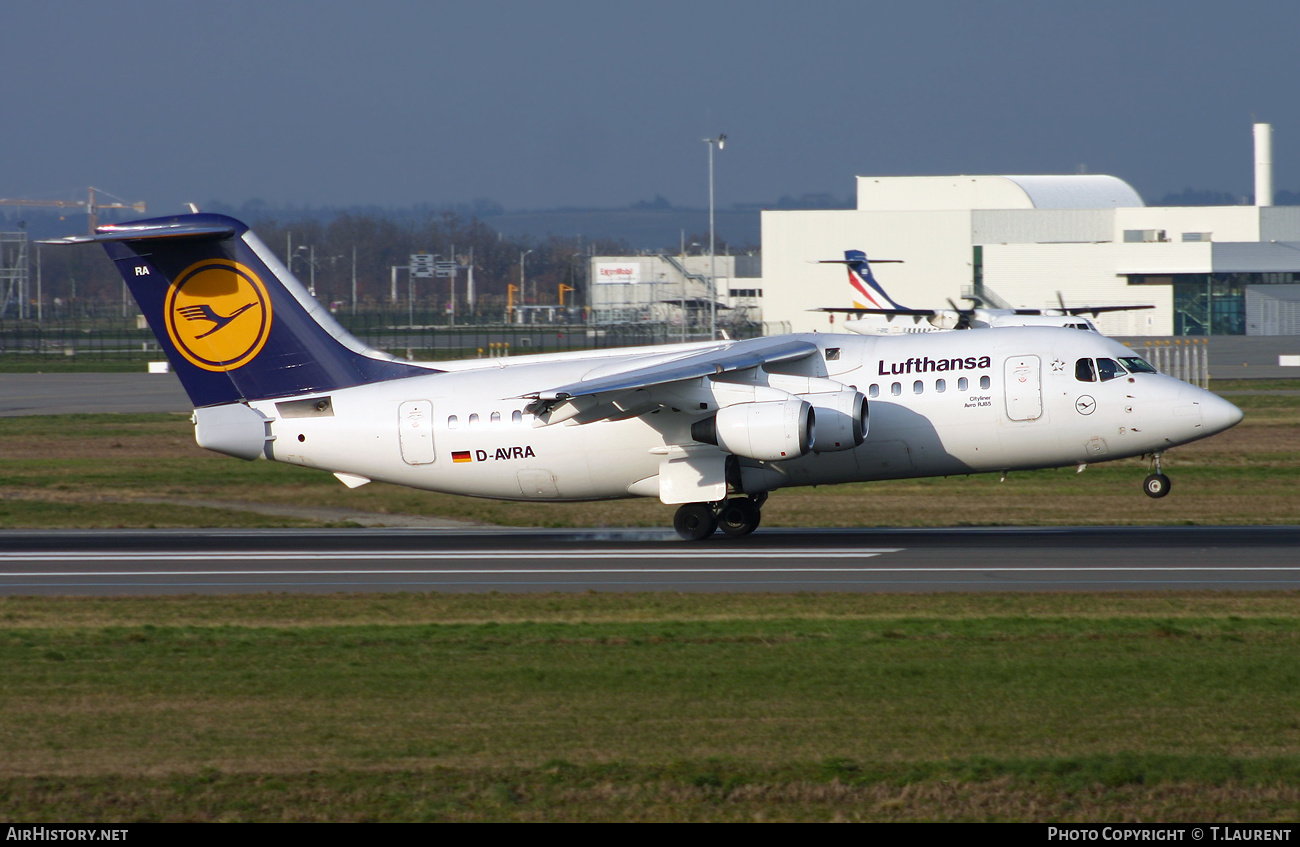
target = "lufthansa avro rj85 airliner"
x: 712, y: 428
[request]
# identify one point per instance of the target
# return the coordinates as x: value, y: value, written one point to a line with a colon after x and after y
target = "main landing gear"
x: 735, y: 516
x: 1157, y: 484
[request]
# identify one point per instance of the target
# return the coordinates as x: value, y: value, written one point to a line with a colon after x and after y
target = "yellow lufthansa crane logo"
x: 218, y: 314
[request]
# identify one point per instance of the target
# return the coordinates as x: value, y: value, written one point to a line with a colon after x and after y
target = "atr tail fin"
x: 235, y: 324
x: 864, y: 282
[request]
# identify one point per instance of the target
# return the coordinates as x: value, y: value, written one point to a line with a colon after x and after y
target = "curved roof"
x: 1077, y: 191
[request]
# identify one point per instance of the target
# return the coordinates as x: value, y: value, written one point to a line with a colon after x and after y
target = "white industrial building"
x: 663, y: 288
x: 1230, y: 270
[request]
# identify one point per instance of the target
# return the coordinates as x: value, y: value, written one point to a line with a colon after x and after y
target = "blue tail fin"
x: 235, y: 324
x: 864, y: 282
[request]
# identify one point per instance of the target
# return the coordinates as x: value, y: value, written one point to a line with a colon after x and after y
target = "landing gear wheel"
x: 739, y: 517
x: 695, y: 521
x: 1157, y: 485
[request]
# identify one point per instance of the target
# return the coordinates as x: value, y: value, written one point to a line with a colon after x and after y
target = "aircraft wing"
x: 738, y: 356
x: 1078, y: 310
x: 918, y: 313
x: 1095, y: 310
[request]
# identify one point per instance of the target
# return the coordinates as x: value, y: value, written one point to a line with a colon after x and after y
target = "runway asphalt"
x: 869, y: 560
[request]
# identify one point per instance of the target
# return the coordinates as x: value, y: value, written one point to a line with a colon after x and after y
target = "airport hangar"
x: 1022, y: 239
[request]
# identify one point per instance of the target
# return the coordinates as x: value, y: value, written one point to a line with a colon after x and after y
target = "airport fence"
x: 1187, y: 359
x: 105, y: 335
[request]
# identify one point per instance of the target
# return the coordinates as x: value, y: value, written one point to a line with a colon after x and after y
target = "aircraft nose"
x: 1218, y: 414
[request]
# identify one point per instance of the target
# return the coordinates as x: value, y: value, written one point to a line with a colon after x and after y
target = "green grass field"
x: 651, y: 707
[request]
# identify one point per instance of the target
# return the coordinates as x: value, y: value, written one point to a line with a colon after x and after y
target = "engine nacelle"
x: 841, y: 420
x: 945, y: 319
x: 771, y: 431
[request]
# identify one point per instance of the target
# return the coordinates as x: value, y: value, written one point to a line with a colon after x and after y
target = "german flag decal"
x: 462, y: 456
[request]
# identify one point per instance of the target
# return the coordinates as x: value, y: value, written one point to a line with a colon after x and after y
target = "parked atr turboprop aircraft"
x: 876, y: 318
x: 710, y: 427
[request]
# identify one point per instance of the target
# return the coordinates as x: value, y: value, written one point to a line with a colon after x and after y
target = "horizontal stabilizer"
x: 145, y: 232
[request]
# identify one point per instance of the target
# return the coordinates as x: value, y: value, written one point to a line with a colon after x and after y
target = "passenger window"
x: 896, y: 389
x: 452, y: 422
x: 473, y: 420
x: 874, y: 391
x: 516, y: 416
x: 984, y: 382
x: 1084, y: 372
x: 918, y: 387
x: 1109, y: 369
x: 496, y: 417
x: 940, y: 386
x: 962, y: 384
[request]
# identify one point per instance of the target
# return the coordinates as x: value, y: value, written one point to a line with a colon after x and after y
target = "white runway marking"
x: 451, y: 572
x: 435, y: 555
x: 592, y: 571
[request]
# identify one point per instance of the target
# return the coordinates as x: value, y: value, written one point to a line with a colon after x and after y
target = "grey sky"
x: 563, y: 103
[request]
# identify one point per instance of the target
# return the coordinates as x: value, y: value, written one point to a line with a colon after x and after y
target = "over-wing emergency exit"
x: 876, y: 313
x: 712, y: 428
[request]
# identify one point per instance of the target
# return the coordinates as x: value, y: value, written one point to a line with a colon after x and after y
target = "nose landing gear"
x: 1156, y: 485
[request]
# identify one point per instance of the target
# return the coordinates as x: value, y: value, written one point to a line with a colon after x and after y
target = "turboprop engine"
x: 945, y: 319
x: 769, y: 431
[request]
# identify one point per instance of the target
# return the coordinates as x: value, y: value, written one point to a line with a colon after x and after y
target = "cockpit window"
x: 1138, y: 366
x: 1109, y: 369
x: 1084, y: 372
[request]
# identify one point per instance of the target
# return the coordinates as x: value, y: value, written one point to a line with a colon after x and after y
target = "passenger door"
x: 1023, y: 377
x: 415, y: 432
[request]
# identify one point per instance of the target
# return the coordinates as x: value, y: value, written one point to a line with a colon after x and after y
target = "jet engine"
x: 769, y: 431
x: 841, y: 420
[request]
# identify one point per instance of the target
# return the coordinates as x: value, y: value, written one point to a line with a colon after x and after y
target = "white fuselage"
x: 940, y: 404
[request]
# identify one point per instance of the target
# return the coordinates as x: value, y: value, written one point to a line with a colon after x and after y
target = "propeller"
x: 1063, y: 311
x: 963, y: 315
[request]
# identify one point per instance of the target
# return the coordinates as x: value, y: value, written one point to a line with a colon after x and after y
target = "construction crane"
x: 90, y: 205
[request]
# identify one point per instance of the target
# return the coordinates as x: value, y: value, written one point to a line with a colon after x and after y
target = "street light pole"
x: 522, y: 291
x: 721, y: 142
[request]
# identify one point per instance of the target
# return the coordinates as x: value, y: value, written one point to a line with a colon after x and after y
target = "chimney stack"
x: 1263, y: 164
